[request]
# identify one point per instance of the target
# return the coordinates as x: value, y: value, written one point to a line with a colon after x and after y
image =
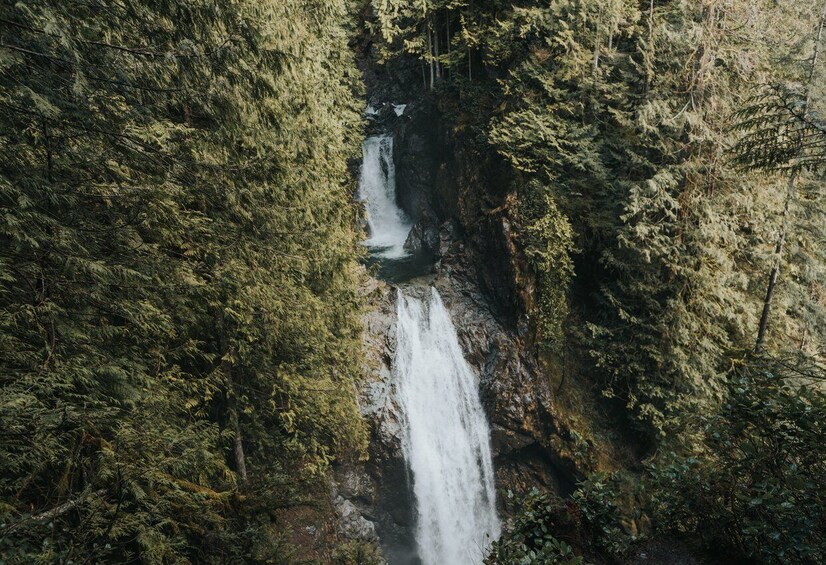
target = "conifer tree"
x: 178, y: 311
x: 781, y: 134
x: 621, y: 113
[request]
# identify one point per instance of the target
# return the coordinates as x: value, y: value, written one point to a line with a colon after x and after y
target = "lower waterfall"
x: 446, y: 439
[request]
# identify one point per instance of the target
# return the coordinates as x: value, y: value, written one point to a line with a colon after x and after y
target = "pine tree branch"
x: 55, y: 512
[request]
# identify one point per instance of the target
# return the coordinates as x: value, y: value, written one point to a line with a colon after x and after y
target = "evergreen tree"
x: 178, y: 304
x: 622, y: 113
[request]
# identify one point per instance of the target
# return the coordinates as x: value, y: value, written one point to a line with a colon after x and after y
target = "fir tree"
x: 178, y: 304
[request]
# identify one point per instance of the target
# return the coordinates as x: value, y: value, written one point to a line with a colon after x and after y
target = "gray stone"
x: 351, y: 524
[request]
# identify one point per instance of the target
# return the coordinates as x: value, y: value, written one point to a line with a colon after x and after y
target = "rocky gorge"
x: 475, y: 265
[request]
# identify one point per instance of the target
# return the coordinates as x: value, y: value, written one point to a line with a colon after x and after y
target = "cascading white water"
x: 446, y: 438
x: 388, y: 224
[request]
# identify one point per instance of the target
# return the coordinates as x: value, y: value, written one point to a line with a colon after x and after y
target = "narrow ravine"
x: 445, y: 434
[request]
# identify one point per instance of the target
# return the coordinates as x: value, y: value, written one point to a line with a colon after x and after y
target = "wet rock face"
x: 424, y: 238
x: 391, y: 506
x: 439, y: 180
x: 516, y: 395
x: 351, y: 523
x: 377, y: 401
x: 417, y: 161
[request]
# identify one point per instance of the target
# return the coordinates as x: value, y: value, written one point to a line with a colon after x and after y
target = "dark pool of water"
x: 402, y: 269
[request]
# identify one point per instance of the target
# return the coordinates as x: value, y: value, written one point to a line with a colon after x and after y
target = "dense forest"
x: 182, y: 285
x: 179, y: 310
x: 667, y: 187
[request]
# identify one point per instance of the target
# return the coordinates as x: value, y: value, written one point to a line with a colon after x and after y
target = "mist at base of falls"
x: 445, y: 436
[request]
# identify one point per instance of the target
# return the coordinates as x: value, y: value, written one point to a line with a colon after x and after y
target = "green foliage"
x: 757, y: 486
x: 617, y: 118
x: 530, y: 538
x: 779, y: 132
x: 356, y: 552
x: 598, y: 499
x: 547, y: 239
x: 592, y: 521
x: 177, y: 274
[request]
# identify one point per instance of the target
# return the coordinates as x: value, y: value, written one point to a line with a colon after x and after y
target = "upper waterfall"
x: 388, y: 224
x: 446, y: 439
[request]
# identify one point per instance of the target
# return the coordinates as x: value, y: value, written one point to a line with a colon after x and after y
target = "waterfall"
x: 446, y: 437
x: 446, y: 441
x: 388, y: 224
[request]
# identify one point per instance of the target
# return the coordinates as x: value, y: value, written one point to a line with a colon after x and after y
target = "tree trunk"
x: 436, y: 50
x: 430, y: 54
x: 649, y: 66
x: 55, y: 512
x: 778, y: 256
x: 815, y: 56
x: 597, y: 41
x: 232, y: 399
x: 447, y: 33
x: 238, y: 443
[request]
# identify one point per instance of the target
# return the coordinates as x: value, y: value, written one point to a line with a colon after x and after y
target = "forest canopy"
x: 179, y: 327
x: 180, y: 273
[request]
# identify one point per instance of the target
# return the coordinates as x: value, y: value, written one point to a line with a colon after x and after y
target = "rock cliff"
x: 459, y: 203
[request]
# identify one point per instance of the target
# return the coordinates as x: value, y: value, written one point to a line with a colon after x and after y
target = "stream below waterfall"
x: 445, y: 434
